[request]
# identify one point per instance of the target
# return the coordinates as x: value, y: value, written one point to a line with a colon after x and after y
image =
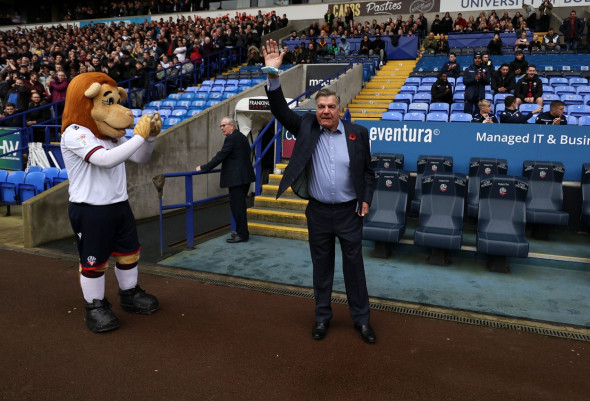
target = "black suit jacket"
x: 234, y: 156
x: 307, y: 130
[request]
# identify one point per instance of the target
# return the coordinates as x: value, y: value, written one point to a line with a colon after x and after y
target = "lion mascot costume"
x: 94, y: 150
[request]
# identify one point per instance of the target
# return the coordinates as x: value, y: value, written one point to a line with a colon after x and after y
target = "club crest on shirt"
x: 91, y: 260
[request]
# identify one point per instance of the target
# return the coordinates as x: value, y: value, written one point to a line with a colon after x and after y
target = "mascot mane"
x: 78, y: 107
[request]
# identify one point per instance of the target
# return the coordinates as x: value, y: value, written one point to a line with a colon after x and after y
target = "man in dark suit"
x: 330, y: 166
x: 236, y: 174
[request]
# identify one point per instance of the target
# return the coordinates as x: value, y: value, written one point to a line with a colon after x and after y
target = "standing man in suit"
x: 330, y: 166
x: 236, y: 174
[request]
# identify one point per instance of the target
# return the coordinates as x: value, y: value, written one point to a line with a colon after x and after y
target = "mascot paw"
x: 142, y: 128
x: 155, y: 124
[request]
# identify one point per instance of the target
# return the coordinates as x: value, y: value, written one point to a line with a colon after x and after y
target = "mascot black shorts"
x: 102, y: 231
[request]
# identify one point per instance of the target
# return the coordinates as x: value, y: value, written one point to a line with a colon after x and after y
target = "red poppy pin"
x: 352, y: 136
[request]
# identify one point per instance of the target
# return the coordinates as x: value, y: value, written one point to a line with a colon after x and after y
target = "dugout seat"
x: 501, y: 220
x: 428, y: 163
x: 33, y: 185
x: 479, y: 168
x: 440, y: 225
x: 387, y: 161
x: 386, y: 224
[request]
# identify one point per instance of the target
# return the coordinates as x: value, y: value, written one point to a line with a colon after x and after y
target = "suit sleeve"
x: 282, y: 112
x: 226, y: 149
x: 369, y: 175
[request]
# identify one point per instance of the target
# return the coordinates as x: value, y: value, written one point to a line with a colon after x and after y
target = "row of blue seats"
x: 19, y: 186
x: 552, y: 82
x: 502, y: 204
x: 461, y: 117
x: 576, y: 110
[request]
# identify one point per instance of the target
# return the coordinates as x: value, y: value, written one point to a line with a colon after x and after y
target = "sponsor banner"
x: 258, y: 104
x: 393, y: 8
x: 10, y: 143
x: 489, y: 5
x: 315, y: 73
x: 126, y: 20
x: 288, y: 143
x: 514, y: 142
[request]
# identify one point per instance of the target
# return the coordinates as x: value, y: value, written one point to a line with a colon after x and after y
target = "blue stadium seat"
x: 414, y: 116
x: 570, y: 99
x: 459, y: 97
x: 178, y: 113
x: 584, y: 120
x: 174, y: 96
x: 413, y: 81
x: 187, y: 96
x: 460, y: 118
x: 480, y: 168
x: 202, y: 95
x: 439, y: 107
x: 3, y: 175
x: 183, y: 104
x: 205, y: 89
x: 207, y: 82
x: 457, y: 107
x: 437, y: 117
x: 501, y: 220
x: 386, y: 224
x: 428, y: 80
x: 408, y: 89
x: 245, y: 82
x: 422, y: 97
x: 164, y: 112
x: 35, y: 169
x: 403, y: 97
x: 571, y: 120
x: 148, y: 111
x: 545, y: 195
x: 234, y: 82
x: 168, y: 104
x: 565, y: 89
x: 577, y: 81
x: 136, y: 112
x: 170, y: 121
x: 424, y: 164
x: 440, y: 225
x: 499, y: 97
x: 459, y: 88
x: 583, y: 90
x: 215, y: 96
x: 33, y: 185
x: 192, y: 89
x: 193, y: 112
x: 50, y: 174
x: 527, y: 107
x: 211, y: 103
x: 548, y: 89
x: 578, y: 110
x: 217, y: 88
x: 558, y: 81
x: 400, y: 107
x: 424, y: 89
x: 62, y: 176
x: 227, y: 95
x: 230, y: 88
x: 9, y: 188
x: 392, y: 116
x: 198, y: 104
x: 418, y: 108
x: 549, y: 97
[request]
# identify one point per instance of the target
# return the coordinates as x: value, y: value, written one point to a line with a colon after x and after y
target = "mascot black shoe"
x: 136, y: 300
x: 100, y: 317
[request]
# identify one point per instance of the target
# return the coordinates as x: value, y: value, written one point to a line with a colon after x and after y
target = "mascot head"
x: 93, y: 100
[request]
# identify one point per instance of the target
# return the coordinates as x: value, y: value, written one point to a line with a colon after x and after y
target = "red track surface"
x: 211, y: 342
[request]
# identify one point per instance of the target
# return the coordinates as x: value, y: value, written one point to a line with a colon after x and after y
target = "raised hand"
x: 272, y: 56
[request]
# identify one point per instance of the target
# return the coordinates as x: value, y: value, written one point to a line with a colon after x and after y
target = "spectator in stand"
x: 529, y: 89
x: 446, y: 24
x: 34, y: 86
x: 475, y: 79
x: 289, y: 57
x: 452, y: 67
x: 522, y: 43
x: 536, y: 44
x: 322, y: 46
x: 519, y: 65
x: 37, y: 115
x: 443, y: 44
x: 530, y: 15
x: 460, y: 21
x: 329, y: 18
x: 343, y: 47
x: 254, y: 56
x: 333, y: 49
x: 503, y: 80
x: 572, y: 29
x: 422, y: 24
x: 487, y: 63
x: 495, y: 45
x: 349, y: 17
x: 435, y: 27
x: 308, y: 55
x: 18, y: 94
x: 511, y: 115
x: 555, y: 115
x: 485, y: 114
x: 545, y: 11
x: 517, y: 19
x: 378, y: 47
x: 6, y: 119
x: 441, y: 90
x: 430, y: 43
x: 58, y: 88
x: 551, y: 41
x: 364, y: 45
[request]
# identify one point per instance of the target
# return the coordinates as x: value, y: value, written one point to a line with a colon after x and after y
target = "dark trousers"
x: 237, y: 204
x: 326, y: 223
x: 471, y: 106
x: 545, y: 20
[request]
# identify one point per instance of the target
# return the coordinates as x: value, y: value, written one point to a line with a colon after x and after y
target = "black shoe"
x: 367, y: 333
x: 236, y: 239
x: 137, y: 300
x: 100, y: 317
x: 320, y: 329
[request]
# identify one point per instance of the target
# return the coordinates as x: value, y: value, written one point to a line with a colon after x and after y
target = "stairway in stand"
x: 283, y: 217
x: 373, y: 99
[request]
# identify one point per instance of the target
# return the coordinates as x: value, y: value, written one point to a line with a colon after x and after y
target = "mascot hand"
x: 155, y: 124
x: 142, y: 128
